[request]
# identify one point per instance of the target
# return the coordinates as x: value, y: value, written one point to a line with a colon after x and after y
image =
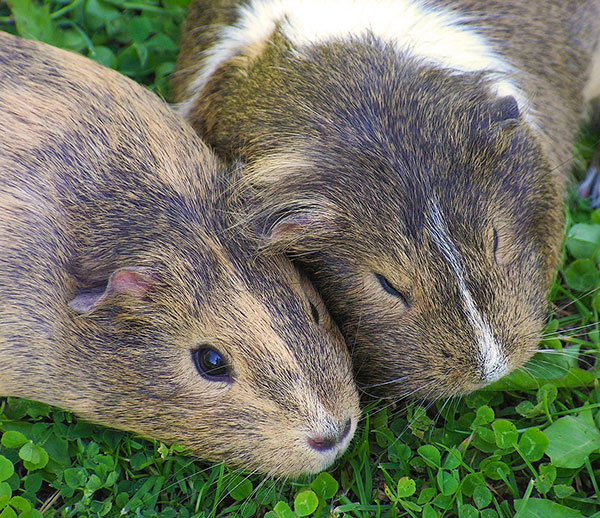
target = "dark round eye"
x: 211, y: 364
x: 390, y: 289
x: 314, y: 311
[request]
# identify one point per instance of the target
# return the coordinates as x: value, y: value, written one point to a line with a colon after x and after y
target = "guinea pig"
x: 412, y: 156
x: 129, y: 292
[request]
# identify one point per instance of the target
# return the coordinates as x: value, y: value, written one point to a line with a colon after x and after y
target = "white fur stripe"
x: 493, y: 361
x: 437, y: 36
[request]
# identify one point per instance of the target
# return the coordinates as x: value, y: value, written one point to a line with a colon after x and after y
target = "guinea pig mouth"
x: 466, y: 384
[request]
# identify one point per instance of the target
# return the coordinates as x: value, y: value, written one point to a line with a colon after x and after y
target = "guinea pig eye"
x: 211, y: 364
x: 315, y: 312
x: 390, y: 289
x: 495, y: 244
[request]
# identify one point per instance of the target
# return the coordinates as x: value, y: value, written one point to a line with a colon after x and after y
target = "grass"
x: 529, y: 446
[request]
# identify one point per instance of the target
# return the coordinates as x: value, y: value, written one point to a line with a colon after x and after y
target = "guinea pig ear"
x: 504, y: 112
x: 131, y: 281
x: 495, y: 117
x: 289, y: 231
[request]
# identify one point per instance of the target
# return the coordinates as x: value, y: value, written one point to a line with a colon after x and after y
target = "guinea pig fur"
x: 130, y: 295
x: 412, y: 155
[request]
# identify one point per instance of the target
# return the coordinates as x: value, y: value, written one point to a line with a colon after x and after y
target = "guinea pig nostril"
x: 321, y: 443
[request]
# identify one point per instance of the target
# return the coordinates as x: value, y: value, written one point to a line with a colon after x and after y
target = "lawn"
x: 529, y: 446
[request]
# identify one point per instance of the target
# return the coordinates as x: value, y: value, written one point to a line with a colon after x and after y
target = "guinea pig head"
x: 432, y: 240
x: 230, y: 355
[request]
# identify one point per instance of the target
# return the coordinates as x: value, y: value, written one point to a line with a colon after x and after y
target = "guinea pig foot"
x: 590, y: 186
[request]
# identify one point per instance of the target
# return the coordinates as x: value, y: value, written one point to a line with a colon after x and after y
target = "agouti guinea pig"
x: 412, y: 155
x: 130, y: 295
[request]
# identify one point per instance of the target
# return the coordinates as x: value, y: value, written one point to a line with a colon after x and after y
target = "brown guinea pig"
x: 130, y: 295
x: 412, y: 155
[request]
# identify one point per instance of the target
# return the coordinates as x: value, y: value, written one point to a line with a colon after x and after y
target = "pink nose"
x: 321, y: 443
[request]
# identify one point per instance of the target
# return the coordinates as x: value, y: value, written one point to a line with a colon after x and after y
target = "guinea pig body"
x: 412, y: 155
x: 130, y: 295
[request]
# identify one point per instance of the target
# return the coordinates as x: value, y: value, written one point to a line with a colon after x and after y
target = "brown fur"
x: 349, y: 143
x: 104, y: 188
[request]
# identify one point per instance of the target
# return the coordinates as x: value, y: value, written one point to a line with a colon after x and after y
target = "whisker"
x: 571, y: 332
x: 353, y: 346
x: 389, y: 382
x: 578, y: 299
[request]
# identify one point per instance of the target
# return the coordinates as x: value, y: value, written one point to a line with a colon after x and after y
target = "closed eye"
x: 385, y: 284
x: 495, y: 244
x: 315, y: 312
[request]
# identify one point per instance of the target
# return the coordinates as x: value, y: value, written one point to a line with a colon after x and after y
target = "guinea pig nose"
x: 324, y: 443
x: 321, y: 443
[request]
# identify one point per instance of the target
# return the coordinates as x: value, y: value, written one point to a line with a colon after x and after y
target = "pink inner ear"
x: 132, y: 281
x: 294, y: 224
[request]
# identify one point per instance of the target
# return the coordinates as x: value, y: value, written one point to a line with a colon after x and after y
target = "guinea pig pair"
x: 412, y: 155
x: 129, y: 292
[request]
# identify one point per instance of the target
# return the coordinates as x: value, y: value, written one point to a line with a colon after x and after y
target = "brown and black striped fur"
x: 352, y: 144
x: 100, y: 181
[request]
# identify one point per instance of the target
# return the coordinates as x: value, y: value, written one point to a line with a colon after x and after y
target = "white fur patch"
x: 437, y: 36
x: 493, y: 361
